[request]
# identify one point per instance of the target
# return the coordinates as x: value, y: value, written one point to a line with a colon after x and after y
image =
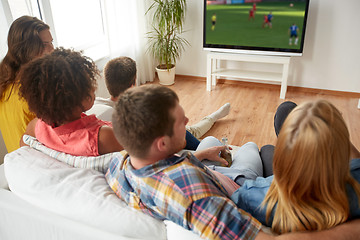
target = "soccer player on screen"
x: 293, y: 32
x: 213, y: 21
x: 251, y: 14
x: 265, y: 21
x: 269, y: 19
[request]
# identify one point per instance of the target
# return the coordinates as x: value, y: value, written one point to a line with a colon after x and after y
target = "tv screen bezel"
x: 256, y: 50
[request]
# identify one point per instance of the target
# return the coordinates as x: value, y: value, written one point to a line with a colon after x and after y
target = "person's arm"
x: 107, y: 141
x: 212, y: 153
x: 346, y: 231
x: 217, y: 217
x: 30, y: 130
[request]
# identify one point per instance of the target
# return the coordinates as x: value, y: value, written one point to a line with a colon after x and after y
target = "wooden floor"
x: 253, y: 106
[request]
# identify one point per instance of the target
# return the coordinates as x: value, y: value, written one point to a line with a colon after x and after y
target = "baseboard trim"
x: 275, y: 86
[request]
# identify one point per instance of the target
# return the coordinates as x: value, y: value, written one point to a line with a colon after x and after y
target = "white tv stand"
x: 214, y: 72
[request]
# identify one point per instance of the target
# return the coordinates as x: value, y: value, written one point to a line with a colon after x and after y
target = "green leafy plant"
x: 165, y: 42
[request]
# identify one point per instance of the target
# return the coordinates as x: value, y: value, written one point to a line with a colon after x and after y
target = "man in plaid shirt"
x: 150, y: 124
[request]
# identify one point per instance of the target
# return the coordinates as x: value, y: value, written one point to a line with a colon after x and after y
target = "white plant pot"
x: 166, y: 77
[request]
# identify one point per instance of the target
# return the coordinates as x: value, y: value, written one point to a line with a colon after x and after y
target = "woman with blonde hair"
x: 28, y: 38
x: 314, y: 186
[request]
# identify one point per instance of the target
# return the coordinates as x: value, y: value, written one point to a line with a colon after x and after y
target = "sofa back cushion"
x: 76, y: 193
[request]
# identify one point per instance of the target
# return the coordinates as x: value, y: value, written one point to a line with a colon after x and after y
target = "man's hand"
x: 212, y: 154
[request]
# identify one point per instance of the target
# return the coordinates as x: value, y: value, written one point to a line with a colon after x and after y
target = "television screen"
x: 267, y: 27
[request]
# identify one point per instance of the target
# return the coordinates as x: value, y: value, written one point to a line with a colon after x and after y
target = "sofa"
x: 42, y: 197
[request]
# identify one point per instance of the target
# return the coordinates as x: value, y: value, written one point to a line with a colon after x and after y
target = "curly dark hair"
x: 56, y: 84
x: 120, y: 74
x: 24, y: 44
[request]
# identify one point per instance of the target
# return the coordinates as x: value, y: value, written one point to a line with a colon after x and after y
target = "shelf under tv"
x: 214, y: 71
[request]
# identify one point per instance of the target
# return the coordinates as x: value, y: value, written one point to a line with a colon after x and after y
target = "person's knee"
x: 251, y: 145
x: 213, y: 141
x: 282, y: 112
x: 267, y: 148
x: 247, y: 151
x: 211, y: 138
x: 207, y: 142
x: 287, y: 105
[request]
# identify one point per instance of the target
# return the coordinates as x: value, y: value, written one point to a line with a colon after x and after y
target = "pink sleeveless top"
x: 79, y: 137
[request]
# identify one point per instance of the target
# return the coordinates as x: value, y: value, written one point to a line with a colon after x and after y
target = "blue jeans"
x: 191, y: 142
x: 246, y: 161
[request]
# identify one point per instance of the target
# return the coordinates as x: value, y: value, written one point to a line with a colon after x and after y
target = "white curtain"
x: 127, y: 25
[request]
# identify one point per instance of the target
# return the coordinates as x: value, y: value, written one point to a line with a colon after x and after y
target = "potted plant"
x: 165, y: 42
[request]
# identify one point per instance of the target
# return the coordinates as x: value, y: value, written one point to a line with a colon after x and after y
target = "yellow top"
x: 15, y: 116
x: 213, y: 18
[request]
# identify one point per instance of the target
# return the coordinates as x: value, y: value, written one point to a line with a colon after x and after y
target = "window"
x: 19, y: 8
x: 77, y: 24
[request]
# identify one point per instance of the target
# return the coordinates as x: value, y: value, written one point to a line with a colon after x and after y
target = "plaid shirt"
x: 183, y: 190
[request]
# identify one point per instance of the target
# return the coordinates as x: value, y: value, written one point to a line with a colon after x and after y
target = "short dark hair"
x: 141, y: 115
x: 57, y: 83
x: 120, y: 74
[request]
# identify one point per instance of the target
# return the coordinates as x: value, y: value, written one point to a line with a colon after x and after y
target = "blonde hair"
x: 311, y: 170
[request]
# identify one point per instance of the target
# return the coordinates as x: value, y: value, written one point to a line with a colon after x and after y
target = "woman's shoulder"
x: 252, y: 191
x: 257, y: 184
x: 250, y: 196
x: 11, y: 92
x: 12, y: 102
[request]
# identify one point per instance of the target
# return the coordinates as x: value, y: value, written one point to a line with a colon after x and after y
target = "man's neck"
x: 138, y: 163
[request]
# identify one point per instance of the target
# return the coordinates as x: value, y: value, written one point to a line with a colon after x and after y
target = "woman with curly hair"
x: 28, y: 38
x: 59, y: 88
x: 315, y: 186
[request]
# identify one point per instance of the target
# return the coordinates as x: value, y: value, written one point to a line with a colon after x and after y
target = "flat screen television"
x: 267, y: 27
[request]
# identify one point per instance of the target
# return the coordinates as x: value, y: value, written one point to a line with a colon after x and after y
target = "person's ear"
x: 162, y: 143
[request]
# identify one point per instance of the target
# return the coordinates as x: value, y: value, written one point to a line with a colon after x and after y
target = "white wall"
x: 331, y: 51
